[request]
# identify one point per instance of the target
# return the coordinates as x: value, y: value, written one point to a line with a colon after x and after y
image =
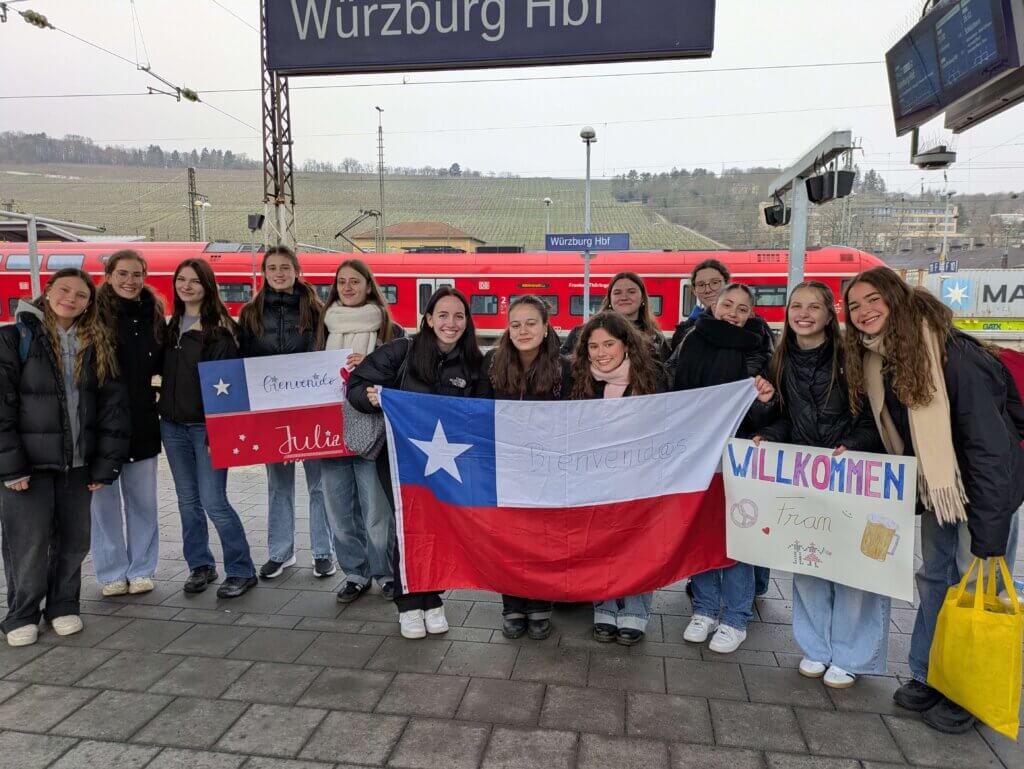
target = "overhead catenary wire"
x: 228, y: 10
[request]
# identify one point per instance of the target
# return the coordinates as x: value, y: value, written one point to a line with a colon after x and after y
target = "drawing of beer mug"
x: 880, y: 539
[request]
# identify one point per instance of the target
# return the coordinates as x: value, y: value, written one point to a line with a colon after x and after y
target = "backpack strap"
x: 24, y: 340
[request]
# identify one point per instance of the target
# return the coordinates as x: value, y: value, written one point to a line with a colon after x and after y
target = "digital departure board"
x: 958, y: 47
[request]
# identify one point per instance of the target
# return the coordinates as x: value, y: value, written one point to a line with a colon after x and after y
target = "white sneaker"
x: 114, y: 588
x: 700, y: 627
x: 435, y: 620
x: 69, y: 624
x: 140, y: 585
x: 26, y: 635
x: 812, y: 669
x: 412, y: 624
x: 837, y: 678
x: 727, y: 639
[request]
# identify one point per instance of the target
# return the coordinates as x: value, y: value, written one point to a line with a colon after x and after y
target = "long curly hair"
x: 107, y: 297
x: 310, y: 307
x: 787, y: 340
x: 92, y: 332
x: 906, y: 358
x: 644, y: 370
x: 376, y: 296
x: 507, y: 375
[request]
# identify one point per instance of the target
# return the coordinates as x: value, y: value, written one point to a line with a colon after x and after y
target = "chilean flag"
x: 276, y: 408
x: 562, y: 501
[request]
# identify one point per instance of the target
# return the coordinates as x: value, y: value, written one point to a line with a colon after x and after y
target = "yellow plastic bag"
x: 975, y: 658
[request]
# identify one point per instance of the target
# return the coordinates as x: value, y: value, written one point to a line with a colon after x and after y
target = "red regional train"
x: 491, y: 281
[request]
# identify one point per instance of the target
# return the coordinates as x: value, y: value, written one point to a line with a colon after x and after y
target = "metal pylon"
x: 278, y: 174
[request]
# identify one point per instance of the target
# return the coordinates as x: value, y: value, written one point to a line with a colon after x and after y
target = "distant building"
x: 404, y: 236
x: 986, y: 257
x: 914, y: 220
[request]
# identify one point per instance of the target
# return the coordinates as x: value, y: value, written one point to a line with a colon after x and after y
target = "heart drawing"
x: 767, y: 530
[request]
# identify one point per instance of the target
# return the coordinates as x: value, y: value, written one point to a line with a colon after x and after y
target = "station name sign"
x: 345, y: 36
x: 594, y: 241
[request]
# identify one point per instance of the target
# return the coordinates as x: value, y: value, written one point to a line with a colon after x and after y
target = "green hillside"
x: 131, y: 200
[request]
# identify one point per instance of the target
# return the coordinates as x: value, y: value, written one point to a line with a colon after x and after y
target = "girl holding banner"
x: 526, y: 365
x: 442, y: 358
x: 281, y: 320
x: 357, y: 318
x: 614, y: 360
x: 134, y: 317
x: 842, y: 631
x: 937, y: 394
x: 720, y: 350
x: 200, y: 330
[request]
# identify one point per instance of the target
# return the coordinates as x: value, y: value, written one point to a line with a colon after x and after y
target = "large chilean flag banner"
x: 563, y: 501
x: 276, y: 408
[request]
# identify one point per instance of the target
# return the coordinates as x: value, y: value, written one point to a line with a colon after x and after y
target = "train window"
x: 483, y: 304
x: 323, y: 290
x: 390, y: 291
x: 234, y: 292
x: 689, y: 301
x: 770, y: 296
x: 12, y: 305
x: 17, y: 262
x: 60, y: 261
x: 576, y: 304
x: 656, y: 304
x: 550, y: 299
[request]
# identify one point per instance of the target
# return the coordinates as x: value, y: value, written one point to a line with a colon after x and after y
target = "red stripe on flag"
x: 562, y: 554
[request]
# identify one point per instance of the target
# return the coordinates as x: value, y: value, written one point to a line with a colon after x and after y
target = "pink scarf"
x: 616, y: 381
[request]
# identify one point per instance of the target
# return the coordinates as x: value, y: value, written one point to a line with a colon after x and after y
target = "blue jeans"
x: 629, y: 613
x: 114, y: 559
x: 964, y: 557
x: 839, y: 625
x: 937, y: 573
x: 202, y: 492
x: 281, y: 511
x: 361, y: 517
x: 762, y: 579
x: 733, y: 587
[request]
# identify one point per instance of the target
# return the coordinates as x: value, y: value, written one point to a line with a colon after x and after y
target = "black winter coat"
x: 35, y: 432
x: 659, y: 345
x: 756, y: 324
x: 181, y: 396
x: 384, y: 368
x: 281, y: 334
x: 716, y: 353
x: 815, y: 411
x: 140, y: 357
x: 561, y: 391
x: 985, y: 439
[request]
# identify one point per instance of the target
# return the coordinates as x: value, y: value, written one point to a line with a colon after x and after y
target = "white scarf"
x: 354, y: 328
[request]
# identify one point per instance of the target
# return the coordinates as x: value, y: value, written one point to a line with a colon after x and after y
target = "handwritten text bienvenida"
x: 348, y: 19
x: 862, y: 477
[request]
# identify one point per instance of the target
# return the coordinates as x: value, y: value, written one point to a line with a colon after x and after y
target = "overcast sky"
x: 684, y: 118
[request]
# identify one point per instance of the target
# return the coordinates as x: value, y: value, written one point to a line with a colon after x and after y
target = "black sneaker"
x: 387, y: 591
x: 514, y: 627
x: 948, y: 717
x: 629, y: 637
x: 351, y: 591
x: 539, y: 629
x: 236, y: 586
x: 323, y: 567
x: 272, y: 568
x: 605, y: 633
x: 199, y: 578
x: 916, y: 696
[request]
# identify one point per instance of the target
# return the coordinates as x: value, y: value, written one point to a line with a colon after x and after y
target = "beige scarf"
x: 616, y: 381
x: 939, y: 486
x: 354, y: 328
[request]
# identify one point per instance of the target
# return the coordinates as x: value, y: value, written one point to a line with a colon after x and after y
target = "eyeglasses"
x: 705, y: 285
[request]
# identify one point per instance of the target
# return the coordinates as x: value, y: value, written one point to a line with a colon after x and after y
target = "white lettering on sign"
x: 363, y: 19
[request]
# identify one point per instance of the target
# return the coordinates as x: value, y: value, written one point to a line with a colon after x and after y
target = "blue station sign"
x: 343, y: 36
x: 595, y: 241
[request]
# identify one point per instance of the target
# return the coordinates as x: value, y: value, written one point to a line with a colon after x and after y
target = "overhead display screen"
x: 954, y: 50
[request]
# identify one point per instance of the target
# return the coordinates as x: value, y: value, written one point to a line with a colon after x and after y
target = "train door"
x: 425, y: 288
x: 687, y: 299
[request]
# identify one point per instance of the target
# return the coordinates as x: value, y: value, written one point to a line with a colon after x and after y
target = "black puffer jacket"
x: 716, y: 353
x: 815, y: 411
x: 985, y: 439
x: 281, y: 334
x: 384, y: 368
x: 659, y: 345
x: 560, y: 392
x: 140, y: 357
x: 756, y: 324
x: 35, y: 432
x: 181, y: 396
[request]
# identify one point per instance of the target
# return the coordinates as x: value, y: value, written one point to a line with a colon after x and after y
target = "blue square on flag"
x: 225, y: 390
x: 448, y: 446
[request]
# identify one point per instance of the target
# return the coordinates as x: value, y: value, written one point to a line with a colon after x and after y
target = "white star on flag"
x: 441, y: 454
x: 221, y: 387
x: 255, y: 447
x: 234, y: 451
x: 241, y: 438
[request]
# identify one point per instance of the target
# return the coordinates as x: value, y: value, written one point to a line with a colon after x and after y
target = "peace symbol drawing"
x: 743, y: 513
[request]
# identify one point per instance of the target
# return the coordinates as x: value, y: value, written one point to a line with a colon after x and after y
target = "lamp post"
x: 382, y: 242
x: 547, y: 211
x: 589, y: 136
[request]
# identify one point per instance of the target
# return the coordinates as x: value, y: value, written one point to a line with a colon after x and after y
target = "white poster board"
x: 849, y: 519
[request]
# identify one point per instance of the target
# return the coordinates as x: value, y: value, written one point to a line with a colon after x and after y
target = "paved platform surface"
x: 285, y: 678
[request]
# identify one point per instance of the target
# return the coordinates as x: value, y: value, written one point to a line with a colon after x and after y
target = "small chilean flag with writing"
x: 563, y: 501
x: 276, y: 408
